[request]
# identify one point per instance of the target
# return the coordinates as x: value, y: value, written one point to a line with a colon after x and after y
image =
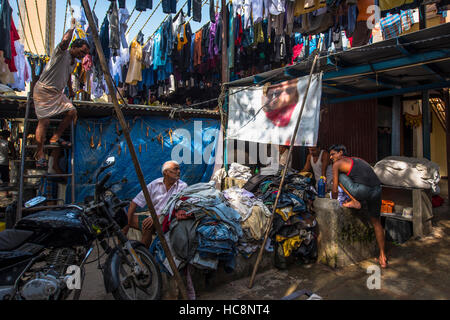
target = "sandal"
x: 42, y: 163
x: 61, y: 143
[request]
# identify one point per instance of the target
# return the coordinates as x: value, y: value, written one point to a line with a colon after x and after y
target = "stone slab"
x: 345, y: 236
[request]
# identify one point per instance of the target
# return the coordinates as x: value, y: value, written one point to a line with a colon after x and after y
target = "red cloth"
x: 437, y: 201
x: 296, y: 50
x: 14, y: 36
x: 240, y: 32
x: 87, y: 62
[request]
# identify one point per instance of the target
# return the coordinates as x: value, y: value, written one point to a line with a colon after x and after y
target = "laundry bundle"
x: 293, y: 229
x: 202, y: 228
x: 255, y: 217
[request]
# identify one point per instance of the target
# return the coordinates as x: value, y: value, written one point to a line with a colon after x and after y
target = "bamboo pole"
x: 294, y: 135
x: 134, y: 158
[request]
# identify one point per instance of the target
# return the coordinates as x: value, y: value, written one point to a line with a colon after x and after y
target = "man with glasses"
x: 160, y: 191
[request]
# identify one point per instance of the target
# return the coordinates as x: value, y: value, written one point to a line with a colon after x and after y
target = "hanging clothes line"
x: 164, y: 20
x: 134, y: 9
x: 132, y: 25
x: 22, y: 24
x: 29, y: 26
x: 154, y: 10
x: 39, y: 21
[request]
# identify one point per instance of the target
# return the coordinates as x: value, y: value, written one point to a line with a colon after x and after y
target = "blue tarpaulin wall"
x: 98, y: 139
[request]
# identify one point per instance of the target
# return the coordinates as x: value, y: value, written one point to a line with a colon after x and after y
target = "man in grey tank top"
x: 357, y: 178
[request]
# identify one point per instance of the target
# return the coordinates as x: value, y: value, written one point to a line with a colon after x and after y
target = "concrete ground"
x: 418, y: 269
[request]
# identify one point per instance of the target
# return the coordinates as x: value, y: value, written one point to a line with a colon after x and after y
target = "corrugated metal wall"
x: 353, y: 124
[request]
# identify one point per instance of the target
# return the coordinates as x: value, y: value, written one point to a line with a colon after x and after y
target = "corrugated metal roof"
x: 423, y: 57
x: 14, y: 106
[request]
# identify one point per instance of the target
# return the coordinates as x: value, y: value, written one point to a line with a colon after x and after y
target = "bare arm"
x: 307, y: 167
x: 69, y: 85
x: 131, y: 212
x: 334, y: 190
x: 325, y: 163
x: 64, y: 44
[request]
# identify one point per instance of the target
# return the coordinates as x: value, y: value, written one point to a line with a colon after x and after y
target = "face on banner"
x: 279, y: 102
x: 269, y: 114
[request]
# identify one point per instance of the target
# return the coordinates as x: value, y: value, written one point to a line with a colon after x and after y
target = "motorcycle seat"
x: 12, y: 238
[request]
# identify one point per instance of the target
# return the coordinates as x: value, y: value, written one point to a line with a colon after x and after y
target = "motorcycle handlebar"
x: 104, y: 180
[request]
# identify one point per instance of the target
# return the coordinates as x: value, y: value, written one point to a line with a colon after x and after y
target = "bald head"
x: 169, y: 165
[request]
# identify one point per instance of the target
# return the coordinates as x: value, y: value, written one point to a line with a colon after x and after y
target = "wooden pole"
x: 447, y: 134
x: 224, y: 43
x: 134, y: 158
x: 294, y: 135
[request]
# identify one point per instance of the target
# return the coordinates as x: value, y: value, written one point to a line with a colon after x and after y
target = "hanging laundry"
x: 123, y: 18
x: 23, y: 74
x: 391, y: 26
x: 104, y: 38
x: 143, y: 5
x: 14, y: 36
x: 5, y: 29
x: 114, y: 29
x: 197, y: 10
x: 135, y: 70
x: 169, y: 6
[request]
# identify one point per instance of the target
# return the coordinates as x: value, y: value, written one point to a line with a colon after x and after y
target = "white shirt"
x: 159, y: 194
x: 276, y: 7
x: 257, y: 10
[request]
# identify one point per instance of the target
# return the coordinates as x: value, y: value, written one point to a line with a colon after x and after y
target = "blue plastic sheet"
x: 194, y: 139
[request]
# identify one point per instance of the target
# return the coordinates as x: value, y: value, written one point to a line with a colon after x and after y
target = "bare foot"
x: 382, y: 261
x: 352, y: 204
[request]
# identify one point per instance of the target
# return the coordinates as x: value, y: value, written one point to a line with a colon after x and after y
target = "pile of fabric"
x: 293, y: 230
x: 201, y: 228
x: 254, y: 218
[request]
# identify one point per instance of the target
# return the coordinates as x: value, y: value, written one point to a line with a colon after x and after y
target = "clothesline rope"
x: 132, y: 11
x: 179, y: 11
x: 22, y: 24
x: 29, y: 26
x: 132, y: 25
x: 39, y: 21
x: 154, y: 10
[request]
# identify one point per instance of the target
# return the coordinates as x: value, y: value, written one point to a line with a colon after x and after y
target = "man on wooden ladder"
x: 49, y: 98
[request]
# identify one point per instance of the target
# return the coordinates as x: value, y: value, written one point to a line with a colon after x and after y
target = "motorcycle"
x: 44, y: 256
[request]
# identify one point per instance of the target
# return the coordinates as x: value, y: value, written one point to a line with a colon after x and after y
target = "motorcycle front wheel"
x: 144, y: 287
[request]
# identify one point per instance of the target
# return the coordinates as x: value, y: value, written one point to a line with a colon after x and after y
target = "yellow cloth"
x: 256, y: 223
x: 181, y: 44
x: 289, y: 244
x: 135, y: 69
x: 390, y: 4
x: 285, y: 213
x: 306, y: 6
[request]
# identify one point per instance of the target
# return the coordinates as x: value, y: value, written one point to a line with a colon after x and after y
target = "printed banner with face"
x: 269, y: 114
